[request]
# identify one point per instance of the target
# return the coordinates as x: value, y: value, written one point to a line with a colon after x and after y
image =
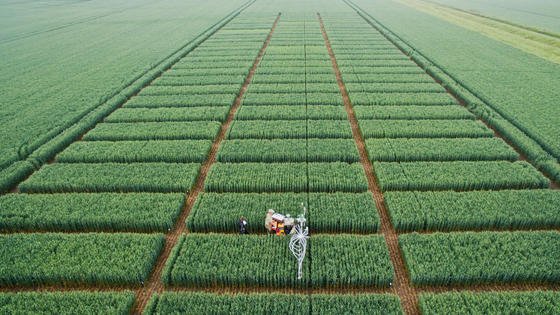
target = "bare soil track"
x: 402, y: 286
x: 154, y: 284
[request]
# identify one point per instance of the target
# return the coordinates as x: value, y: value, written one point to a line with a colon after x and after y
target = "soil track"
x: 154, y: 284
x: 402, y: 286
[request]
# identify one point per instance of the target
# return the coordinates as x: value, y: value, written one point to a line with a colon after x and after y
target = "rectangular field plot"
x: 209, y: 113
x: 241, y: 303
x: 188, y: 100
x: 394, y: 87
x: 424, y: 129
x: 293, y: 88
x: 476, y: 210
x: 291, y: 112
x: 169, y: 79
x: 289, y: 150
x: 154, y: 131
x: 342, y: 260
x: 289, y: 129
x: 458, y: 175
x: 332, y: 98
x: 178, y: 72
x: 363, y: 98
x: 171, y: 151
x: 336, y: 212
x: 191, y: 89
x: 66, y: 303
x: 412, y: 112
x: 381, y: 75
x: 112, y: 177
x: 542, y: 302
x: 286, y: 177
x: 89, y: 259
x: 439, y: 149
x: 294, y: 78
x: 89, y: 212
x: 481, y: 257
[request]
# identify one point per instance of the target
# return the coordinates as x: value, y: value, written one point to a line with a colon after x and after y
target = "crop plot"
x: 417, y: 199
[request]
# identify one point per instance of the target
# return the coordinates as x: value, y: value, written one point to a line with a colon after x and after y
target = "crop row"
x: 458, y: 175
x: 286, y: 177
x: 67, y: 303
x: 394, y: 87
x: 191, y: 89
x: 154, y: 131
x: 439, y: 149
x: 449, y: 210
x: 537, y: 302
x: 289, y: 150
x: 186, y: 100
x: 172, y: 80
x: 335, y: 261
x: 481, y: 257
x: 91, y: 212
x: 385, y: 76
x: 166, y: 114
x: 318, y: 98
x: 291, y: 112
x: 424, y: 98
x: 294, y: 78
x: 299, y: 129
x: 262, y: 303
x: 334, y: 212
x: 424, y: 129
x: 171, y: 151
x: 412, y: 112
x: 112, y: 177
x: 280, y: 88
x: 294, y: 70
x: 102, y: 259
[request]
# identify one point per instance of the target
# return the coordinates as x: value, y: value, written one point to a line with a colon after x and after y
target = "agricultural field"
x: 429, y: 170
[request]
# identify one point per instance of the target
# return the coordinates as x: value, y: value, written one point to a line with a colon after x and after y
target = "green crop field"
x: 145, y: 145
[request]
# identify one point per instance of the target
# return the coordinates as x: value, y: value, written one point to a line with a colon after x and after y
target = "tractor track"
x: 154, y: 284
x: 402, y: 286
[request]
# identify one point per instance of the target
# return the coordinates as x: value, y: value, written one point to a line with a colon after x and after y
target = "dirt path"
x: 154, y: 284
x: 402, y: 285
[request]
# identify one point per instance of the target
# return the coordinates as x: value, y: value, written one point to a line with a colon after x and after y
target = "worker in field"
x: 243, y: 225
x: 288, y: 224
x: 268, y: 220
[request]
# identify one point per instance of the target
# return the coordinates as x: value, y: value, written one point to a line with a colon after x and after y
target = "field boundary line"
x: 402, y: 285
x: 461, y: 92
x: 155, y: 284
x: 57, y: 140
